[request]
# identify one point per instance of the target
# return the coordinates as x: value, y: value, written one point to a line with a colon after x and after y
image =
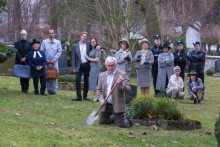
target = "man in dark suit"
x: 23, y: 47
x: 81, y: 66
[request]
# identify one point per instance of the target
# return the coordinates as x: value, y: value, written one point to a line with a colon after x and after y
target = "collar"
x: 81, y: 43
x: 111, y: 73
x: 123, y: 51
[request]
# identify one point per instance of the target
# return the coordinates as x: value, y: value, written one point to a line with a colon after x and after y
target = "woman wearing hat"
x: 180, y: 58
x: 37, y: 61
x: 165, y: 68
x: 144, y: 60
x: 94, y: 58
x: 124, y: 57
x: 195, y: 87
x: 175, y: 85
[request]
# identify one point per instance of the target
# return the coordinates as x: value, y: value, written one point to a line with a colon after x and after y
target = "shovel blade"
x: 91, y: 118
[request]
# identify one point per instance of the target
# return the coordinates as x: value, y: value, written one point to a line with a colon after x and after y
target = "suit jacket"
x: 118, y: 95
x: 38, y: 61
x: 76, y: 55
x: 22, y: 51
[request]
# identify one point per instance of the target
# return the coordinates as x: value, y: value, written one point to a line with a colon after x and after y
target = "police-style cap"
x: 157, y: 37
x: 196, y: 43
x: 179, y: 42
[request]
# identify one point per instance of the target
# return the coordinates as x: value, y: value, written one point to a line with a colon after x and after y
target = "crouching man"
x: 113, y: 110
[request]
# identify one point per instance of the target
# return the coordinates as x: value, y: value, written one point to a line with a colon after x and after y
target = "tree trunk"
x: 209, y: 49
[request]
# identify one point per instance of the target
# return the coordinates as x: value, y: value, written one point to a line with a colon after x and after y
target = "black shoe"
x: 195, y: 101
x: 36, y: 93
x: 77, y: 99
x: 155, y: 95
x: 44, y: 94
x: 52, y: 93
x: 86, y: 99
x: 198, y: 102
x: 25, y: 91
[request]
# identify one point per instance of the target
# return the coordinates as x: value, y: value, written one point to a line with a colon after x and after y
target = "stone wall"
x: 210, y: 62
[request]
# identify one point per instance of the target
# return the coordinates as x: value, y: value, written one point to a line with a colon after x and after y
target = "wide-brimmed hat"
x: 166, y: 46
x: 125, y: 41
x: 35, y: 41
x: 144, y: 40
x: 192, y: 73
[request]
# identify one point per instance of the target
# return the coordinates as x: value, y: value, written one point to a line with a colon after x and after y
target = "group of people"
x: 38, y: 56
x: 166, y: 68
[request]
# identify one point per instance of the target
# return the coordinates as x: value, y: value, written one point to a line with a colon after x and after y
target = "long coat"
x: 23, y: 47
x: 38, y: 61
x: 118, y: 95
x: 76, y: 55
x: 197, y: 61
x: 165, y: 70
x: 180, y: 60
x: 122, y: 64
x: 144, y: 70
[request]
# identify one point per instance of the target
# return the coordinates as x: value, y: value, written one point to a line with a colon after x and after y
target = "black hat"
x: 35, y: 41
x: 166, y: 46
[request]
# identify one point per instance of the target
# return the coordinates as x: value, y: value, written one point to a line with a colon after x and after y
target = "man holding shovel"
x: 113, y: 84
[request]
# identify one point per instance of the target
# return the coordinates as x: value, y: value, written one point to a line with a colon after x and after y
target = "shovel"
x: 95, y: 114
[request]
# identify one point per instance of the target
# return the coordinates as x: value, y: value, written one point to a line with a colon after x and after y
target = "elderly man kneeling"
x: 175, y: 85
x: 115, y: 105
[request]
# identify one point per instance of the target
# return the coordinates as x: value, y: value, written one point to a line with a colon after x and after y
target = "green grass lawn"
x: 29, y: 120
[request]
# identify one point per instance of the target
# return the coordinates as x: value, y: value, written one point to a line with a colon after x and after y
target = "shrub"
x: 161, y: 108
x: 217, y: 130
x: 6, y: 52
x: 142, y: 106
x: 210, y: 72
x: 66, y: 78
x: 166, y: 108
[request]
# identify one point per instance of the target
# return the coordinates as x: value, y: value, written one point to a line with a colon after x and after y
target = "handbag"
x: 21, y: 71
x: 51, y: 73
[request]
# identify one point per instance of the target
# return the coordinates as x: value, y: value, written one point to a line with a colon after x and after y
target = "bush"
x: 161, y: 108
x: 67, y: 78
x: 217, y: 130
x: 6, y: 52
x: 210, y: 72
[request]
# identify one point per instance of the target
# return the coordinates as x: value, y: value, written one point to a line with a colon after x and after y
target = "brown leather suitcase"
x: 51, y: 73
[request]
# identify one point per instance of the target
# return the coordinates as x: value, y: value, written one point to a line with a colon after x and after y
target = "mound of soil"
x: 184, y: 124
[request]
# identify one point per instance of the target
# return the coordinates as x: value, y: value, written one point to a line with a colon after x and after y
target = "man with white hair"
x: 23, y: 47
x: 115, y: 104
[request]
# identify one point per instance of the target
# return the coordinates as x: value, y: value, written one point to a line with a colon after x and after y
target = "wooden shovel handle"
x: 113, y: 88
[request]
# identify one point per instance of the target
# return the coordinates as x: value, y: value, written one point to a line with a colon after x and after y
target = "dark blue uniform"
x: 38, y: 74
x: 197, y: 63
x: 156, y: 51
x: 180, y: 60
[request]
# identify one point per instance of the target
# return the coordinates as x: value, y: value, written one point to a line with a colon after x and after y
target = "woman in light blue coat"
x: 165, y: 68
x: 124, y: 57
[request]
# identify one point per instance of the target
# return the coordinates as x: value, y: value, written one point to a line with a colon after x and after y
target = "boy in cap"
x: 156, y: 50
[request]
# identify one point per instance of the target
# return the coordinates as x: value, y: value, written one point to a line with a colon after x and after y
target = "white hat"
x: 23, y: 32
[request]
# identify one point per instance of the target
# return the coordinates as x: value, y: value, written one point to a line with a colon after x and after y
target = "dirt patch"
x: 184, y: 124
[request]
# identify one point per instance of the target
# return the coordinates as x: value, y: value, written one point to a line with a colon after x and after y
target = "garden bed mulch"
x: 184, y: 124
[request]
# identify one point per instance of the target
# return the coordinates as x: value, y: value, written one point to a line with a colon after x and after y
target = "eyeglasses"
x: 23, y: 34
